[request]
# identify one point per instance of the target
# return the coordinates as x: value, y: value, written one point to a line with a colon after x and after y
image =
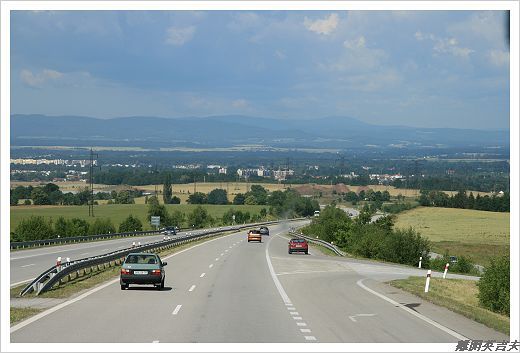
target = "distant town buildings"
x: 385, y: 178
x: 66, y: 162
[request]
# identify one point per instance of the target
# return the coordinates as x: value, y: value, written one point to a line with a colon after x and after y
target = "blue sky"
x: 417, y: 68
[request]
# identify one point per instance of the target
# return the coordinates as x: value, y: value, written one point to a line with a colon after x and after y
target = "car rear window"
x: 298, y: 240
x: 141, y: 259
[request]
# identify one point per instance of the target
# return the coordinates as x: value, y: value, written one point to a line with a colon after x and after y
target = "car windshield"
x: 141, y: 259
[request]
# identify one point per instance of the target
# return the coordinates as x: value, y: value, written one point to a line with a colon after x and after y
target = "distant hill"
x: 329, y: 132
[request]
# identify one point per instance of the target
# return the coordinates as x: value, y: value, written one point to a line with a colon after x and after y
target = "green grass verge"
x: 20, y: 314
x: 478, y: 235
x: 458, y: 295
x: 324, y: 250
x: 117, y: 213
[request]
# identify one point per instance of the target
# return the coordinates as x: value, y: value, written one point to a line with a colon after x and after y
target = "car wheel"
x: 124, y: 286
x: 289, y: 252
x: 307, y: 252
x: 162, y: 284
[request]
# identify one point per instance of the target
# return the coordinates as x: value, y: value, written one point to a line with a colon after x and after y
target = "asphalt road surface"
x: 229, y: 290
x: 27, y: 264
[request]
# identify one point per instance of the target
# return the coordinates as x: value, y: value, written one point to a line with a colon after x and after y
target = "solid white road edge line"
x: 21, y: 282
x: 202, y: 274
x: 414, y: 313
x: 276, y: 281
x: 192, y: 288
x: 94, y: 290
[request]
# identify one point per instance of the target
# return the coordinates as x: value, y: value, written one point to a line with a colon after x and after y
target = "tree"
x: 239, y: 199
x: 154, y: 209
x: 250, y: 200
x: 33, y: 228
x: 167, y: 189
x: 130, y: 224
x: 176, y: 218
x: 175, y: 200
x: 39, y: 197
x: 218, y: 197
x: 199, y: 217
x: 14, y: 199
x: 102, y: 226
x: 124, y: 197
x: 197, y: 198
x: 259, y: 193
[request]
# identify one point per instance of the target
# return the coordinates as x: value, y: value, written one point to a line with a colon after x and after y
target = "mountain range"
x: 233, y: 130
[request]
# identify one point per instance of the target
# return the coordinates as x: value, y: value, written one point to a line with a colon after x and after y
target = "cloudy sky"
x: 427, y: 68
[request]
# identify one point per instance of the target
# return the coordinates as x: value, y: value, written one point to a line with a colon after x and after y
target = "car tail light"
x: 156, y: 272
x: 124, y: 271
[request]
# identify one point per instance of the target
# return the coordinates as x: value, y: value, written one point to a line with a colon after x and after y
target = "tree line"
x: 50, y: 194
x: 495, y: 203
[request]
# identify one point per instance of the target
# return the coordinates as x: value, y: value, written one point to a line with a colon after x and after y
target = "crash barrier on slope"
x: 65, y: 240
x: 329, y: 246
x: 77, y: 268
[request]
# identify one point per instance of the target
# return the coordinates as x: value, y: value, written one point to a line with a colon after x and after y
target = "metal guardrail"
x: 65, y: 240
x: 57, y: 273
x: 329, y: 246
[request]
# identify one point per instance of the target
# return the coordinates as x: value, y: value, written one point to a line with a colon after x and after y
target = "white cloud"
x: 38, y: 79
x: 179, y: 36
x: 498, y: 57
x: 324, y: 26
x: 445, y: 45
x: 244, y: 20
x: 239, y: 103
x: 483, y: 25
x: 357, y: 56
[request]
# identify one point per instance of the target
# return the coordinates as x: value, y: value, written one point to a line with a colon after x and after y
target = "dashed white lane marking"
x: 27, y: 265
x: 155, y: 341
x: 297, y: 318
x: 301, y: 324
x: 306, y: 330
x: 226, y: 250
x: 192, y: 288
x: 85, y: 253
x: 422, y: 317
x: 294, y: 313
x: 210, y: 266
x: 176, y: 310
x: 105, y: 249
x: 310, y: 338
x: 94, y: 290
x: 292, y: 308
x: 221, y: 254
x: 202, y: 274
x: 217, y: 258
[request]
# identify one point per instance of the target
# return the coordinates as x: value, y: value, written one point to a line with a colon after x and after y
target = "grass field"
x: 457, y: 295
x: 476, y: 234
x: 117, y: 213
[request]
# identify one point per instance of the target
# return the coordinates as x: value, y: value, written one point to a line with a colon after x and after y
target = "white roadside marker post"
x: 420, y: 261
x: 138, y: 243
x: 58, y: 263
x: 68, y: 261
x: 427, y: 286
x: 133, y: 244
x: 446, y: 270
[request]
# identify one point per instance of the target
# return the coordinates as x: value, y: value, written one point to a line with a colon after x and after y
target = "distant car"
x: 298, y: 245
x: 170, y: 230
x: 254, y: 235
x: 142, y: 268
x: 264, y: 230
x: 453, y: 259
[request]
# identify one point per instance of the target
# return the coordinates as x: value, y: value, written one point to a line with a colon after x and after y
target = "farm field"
x: 476, y: 234
x: 117, y: 213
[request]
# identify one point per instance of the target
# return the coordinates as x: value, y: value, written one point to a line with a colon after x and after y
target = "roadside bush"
x: 33, y: 228
x: 493, y: 286
x: 102, y: 226
x: 463, y: 265
x: 131, y: 224
x: 199, y: 218
x: 397, y: 207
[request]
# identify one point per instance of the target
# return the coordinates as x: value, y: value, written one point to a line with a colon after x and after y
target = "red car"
x: 298, y: 245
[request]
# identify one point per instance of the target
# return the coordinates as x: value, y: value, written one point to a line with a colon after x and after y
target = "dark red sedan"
x: 298, y: 245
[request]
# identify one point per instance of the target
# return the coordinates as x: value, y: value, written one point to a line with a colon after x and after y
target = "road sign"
x: 155, y: 220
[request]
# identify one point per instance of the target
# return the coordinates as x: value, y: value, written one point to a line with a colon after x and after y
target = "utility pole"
x: 194, y: 184
x: 155, y: 183
x: 91, y: 182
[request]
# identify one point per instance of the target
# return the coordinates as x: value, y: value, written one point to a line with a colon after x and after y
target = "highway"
x: 27, y: 264
x: 229, y: 290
